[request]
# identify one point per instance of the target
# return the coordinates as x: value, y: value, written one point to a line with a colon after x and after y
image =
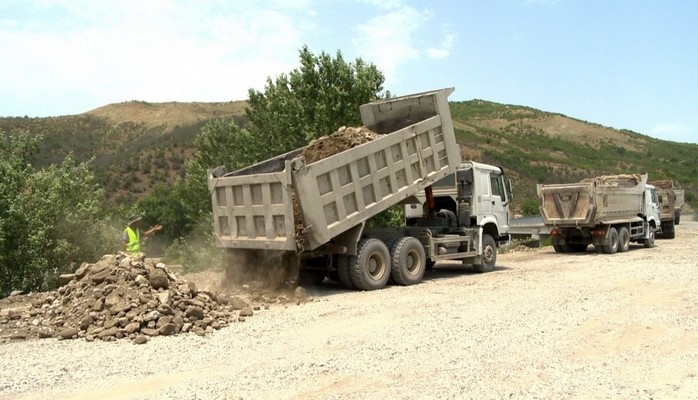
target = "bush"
x: 48, y: 218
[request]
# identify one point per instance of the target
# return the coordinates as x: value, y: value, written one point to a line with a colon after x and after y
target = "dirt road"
x: 542, y: 325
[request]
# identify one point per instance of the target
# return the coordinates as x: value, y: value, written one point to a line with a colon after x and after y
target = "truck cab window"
x: 497, y: 186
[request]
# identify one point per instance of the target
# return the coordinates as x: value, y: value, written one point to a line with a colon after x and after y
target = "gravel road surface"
x: 541, y: 326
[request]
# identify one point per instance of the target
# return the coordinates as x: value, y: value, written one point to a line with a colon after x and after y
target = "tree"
x: 529, y: 207
x: 323, y: 94
x: 48, y: 218
x: 221, y: 142
x: 311, y: 101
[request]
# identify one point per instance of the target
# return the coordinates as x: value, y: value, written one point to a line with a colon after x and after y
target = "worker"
x: 132, y: 235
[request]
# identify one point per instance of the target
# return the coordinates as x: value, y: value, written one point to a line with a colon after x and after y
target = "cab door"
x: 498, y: 201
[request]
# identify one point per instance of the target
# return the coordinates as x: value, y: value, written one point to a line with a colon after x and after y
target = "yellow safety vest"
x: 134, y: 240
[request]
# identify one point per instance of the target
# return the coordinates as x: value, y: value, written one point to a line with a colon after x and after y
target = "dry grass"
x: 169, y: 114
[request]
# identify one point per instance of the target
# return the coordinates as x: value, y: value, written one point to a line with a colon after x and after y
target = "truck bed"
x: 605, y: 199
x: 666, y: 189
x: 285, y: 204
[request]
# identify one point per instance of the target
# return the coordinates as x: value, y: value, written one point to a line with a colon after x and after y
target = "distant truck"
x: 671, y: 199
x: 313, y: 216
x: 609, y: 212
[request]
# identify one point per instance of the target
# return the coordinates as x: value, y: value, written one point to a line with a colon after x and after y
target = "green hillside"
x: 540, y: 147
x: 136, y: 145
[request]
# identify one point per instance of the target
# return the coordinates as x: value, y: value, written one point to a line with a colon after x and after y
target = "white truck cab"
x: 484, y: 188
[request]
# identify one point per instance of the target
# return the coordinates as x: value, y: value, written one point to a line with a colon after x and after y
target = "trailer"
x: 609, y: 212
x: 313, y: 215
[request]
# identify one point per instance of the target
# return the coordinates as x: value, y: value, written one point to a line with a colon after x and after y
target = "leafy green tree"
x: 49, y: 218
x: 317, y: 98
x: 221, y: 142
x: 529, y: 207
x: 164, y: 206
x: 323, y: 94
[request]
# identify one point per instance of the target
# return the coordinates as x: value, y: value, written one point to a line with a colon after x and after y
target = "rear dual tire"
x: 369, y: 269
x: 408, y: 261
x: 611, y: 245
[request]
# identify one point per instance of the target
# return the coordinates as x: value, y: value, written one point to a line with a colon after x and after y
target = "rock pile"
x: 120, y: 297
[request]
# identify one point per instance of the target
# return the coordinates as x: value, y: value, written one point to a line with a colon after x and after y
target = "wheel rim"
x: 376, y: 266
x: 488, y: 255
x: 412, y: 263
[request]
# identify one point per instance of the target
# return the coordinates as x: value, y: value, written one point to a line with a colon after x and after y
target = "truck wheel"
x: 370, y: 268
x: 558, y: 248
x: 489, y: 254
x: 562, y: 248
x: 623, y: 240
x: 611, y: 246
x: 677, y: 218
x: 343, y: 272
x: 649, y: 242
x: 668, y: 230
x: 407, y: 261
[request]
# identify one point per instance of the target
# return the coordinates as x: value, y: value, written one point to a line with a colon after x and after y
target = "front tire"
x: 649, y: 242
x: 668, y: 230
x: 407, y: 261
x: 489, y: 254
x: 370, y: 268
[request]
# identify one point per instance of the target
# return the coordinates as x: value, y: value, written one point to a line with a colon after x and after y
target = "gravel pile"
x: 120, y: 297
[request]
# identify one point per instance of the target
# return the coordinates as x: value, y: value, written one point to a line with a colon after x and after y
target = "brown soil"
x: 344, y: 138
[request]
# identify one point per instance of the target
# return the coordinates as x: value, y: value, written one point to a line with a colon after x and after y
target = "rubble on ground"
x: 123, y: 297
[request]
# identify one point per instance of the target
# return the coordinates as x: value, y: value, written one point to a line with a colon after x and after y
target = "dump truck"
x: 608, y: 212
x: 313, y: 215
x: 670, y: 210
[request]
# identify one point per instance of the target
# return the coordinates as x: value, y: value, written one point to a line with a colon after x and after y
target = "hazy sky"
x: 628, y: 64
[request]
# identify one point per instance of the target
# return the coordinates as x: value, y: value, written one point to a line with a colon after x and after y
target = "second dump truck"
x: 609, y: 212
x: 313, y: 215
x: 671, y: 199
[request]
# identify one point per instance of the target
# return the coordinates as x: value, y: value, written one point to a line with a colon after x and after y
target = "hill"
x: 534, y: 146
x: 136, y: 145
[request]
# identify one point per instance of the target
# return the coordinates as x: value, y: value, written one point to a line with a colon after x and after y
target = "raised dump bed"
x: 286, y: 204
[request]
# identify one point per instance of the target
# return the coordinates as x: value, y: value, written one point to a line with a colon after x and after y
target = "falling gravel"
x: 541, y: 326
